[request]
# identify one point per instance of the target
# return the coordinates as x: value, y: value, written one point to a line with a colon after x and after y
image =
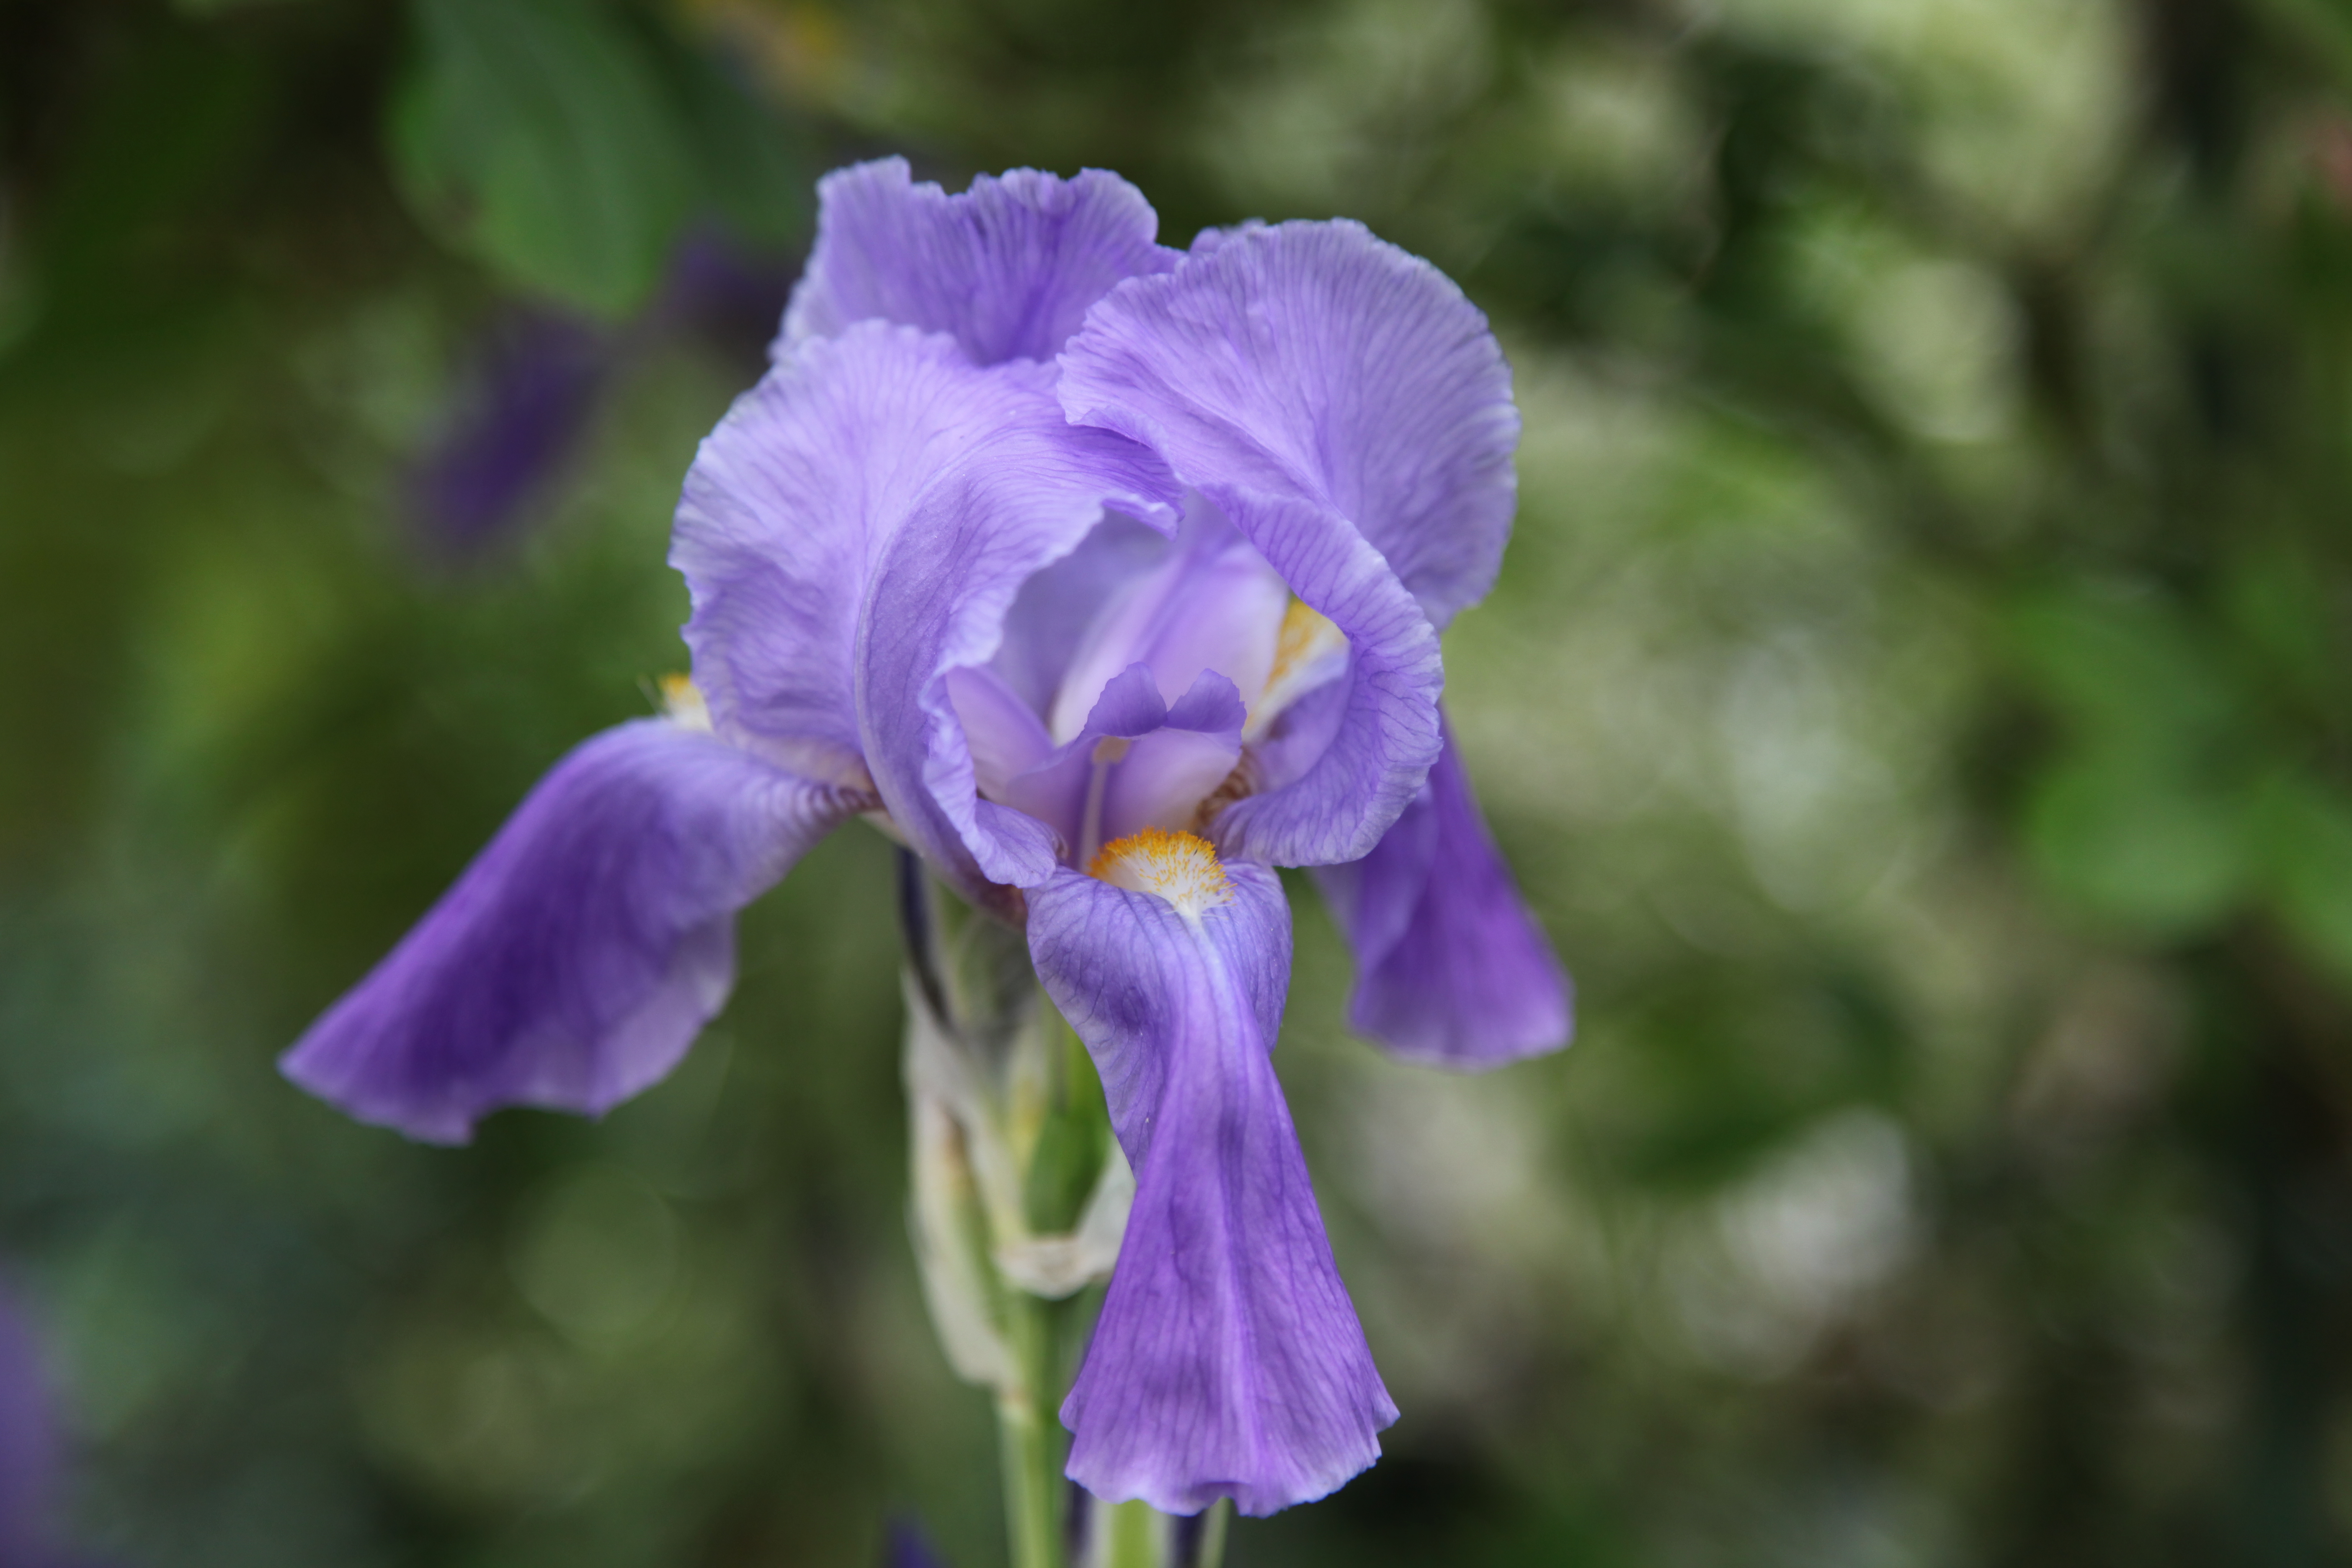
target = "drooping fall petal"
x: 1227, y: 1361
x: 1452, y: 970
x: 574, y: 961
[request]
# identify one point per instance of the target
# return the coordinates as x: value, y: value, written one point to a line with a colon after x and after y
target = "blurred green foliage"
x: 1917, y: 700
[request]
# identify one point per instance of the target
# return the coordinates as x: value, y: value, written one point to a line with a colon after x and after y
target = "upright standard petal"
x: 856, y: 528
x: 577, y: 956
x: 1026, y: 496
x: 1452, y: 970
x: 1317, y: 362
x: 1347, y: 409
x: 1227, y: 1361
x: 1009, y: 266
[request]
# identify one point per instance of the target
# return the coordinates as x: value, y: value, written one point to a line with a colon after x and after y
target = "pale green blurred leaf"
x: 2277, y: 602
x: 2307, y: 837
x: 2137, y: 844
x: 2128, y: 672
x: 534, y: 135
x: 755, y: 173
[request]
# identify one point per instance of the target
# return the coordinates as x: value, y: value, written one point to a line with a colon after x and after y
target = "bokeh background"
x: 1916, y: 701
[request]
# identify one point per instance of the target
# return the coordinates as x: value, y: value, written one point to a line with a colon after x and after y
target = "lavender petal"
x: 1350, y: 412
x: 1452, y: 969
x: 1210, y: 603
x: 856, y: 528
x: 1056, y: 608
x: 1315, y: 361
x: 1009, y: 268
x: 1227, y: 1361
x: 574, y: 961
x: 1174, y: 756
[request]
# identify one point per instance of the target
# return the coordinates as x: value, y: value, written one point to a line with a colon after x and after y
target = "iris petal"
x: 1314, y: 361
x: 1227, y: 1361
x: 1347, y: 409
x: 1170, y: 760
x: 1056, y: 608
x: 1452, y: 970
x: 577, y: 957
x: 1006, y: 738
x: 1211, y: 604
x: 857, y: 528
x: 1009, y: 266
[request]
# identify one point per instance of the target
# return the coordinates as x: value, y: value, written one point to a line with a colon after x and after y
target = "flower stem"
x: 1032, y: 1434
x: 1132, y: 1535
x: 1211, y: 1552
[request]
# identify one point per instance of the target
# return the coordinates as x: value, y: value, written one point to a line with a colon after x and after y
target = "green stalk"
x: 1032, y: 1436
x: 1131, y: 1536
x: 1213, y: 1535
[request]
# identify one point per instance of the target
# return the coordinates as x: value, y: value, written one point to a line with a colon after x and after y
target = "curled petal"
x: 1314, y: 361
x: 1381, y: 718
x: 1452, y: 970
x: 939, y: 602
x: 1347, y: 409
x: 1009, y: 266
x: 1055, y: 610
x: 574, y: 961
x: 1211, y: 604
x: 855, y: 528
x: 1227, y: 1361
x: 1168, y: 759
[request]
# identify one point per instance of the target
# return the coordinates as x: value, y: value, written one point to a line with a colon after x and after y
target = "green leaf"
x: 2128, y: 672
x: 2138, y: 843
x: 2278, y: 604
x: 535, y: 136
x: 754, y: 166
x: 1072, y: 1145
x: 2306, y: 839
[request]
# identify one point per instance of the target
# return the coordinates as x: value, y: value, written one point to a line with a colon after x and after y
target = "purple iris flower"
x: 28, y: 1450
x: 905, y: 1545
x: 1108, y: 577
x: 534, y: 390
